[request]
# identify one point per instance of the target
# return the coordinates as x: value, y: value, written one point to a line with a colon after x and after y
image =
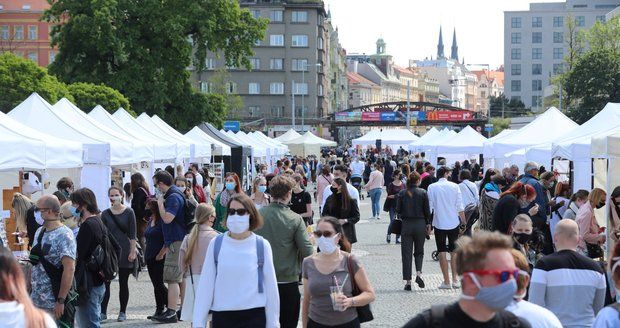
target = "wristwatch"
x: 60, y: 300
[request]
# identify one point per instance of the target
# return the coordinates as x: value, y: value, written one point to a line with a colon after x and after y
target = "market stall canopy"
x: 200, y: 150
x: 258, y: 150
x: 219, y: 148
x: 304, y: 146
x: 283, y: 149
x: 39, y: 115
x: 467, y: 141
x: 161, y: 150
x: 397, y: 137
x: 26, y: 148
x: 184, y: 147
x: 439, y: 139
x: 289, y: 135
x: 607, y: 146
x: 429, y: 135
x: 310, y: 138
x: 272, y: 150
x: 502, y: 134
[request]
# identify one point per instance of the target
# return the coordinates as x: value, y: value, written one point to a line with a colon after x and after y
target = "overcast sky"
x: 411, y: 27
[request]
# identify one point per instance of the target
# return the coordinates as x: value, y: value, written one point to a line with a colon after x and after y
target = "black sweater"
x: 333, y: 207
x: 90, y: 235
x: 505, y: 211
x: 413, y: 203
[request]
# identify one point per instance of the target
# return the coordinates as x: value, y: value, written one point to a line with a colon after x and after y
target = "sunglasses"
x: 503, y: 275
x: 326, y: 234
x: 238, y: 211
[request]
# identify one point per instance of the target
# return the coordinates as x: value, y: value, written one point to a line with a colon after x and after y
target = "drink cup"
x: 336, y: 291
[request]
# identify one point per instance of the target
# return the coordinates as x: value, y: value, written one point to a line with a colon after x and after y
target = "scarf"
x: 492, y: 187
x: 225, y: 197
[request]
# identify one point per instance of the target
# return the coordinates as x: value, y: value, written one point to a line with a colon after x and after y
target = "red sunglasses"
x: 503, y: 275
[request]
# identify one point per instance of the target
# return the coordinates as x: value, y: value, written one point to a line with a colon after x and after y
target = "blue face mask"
x: 262, y: 188
x: 496, y: 297
x: 230, y: 186
x: 75, y: 212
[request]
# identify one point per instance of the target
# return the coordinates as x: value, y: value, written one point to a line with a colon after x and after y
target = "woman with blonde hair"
x: 193, y: 252
x: 27, y: 224
x: 589, y: 230
x: 68, y: 219
x: 259, y: 197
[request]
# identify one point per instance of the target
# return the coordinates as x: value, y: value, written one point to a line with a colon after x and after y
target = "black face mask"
x: 522, y: 238
x: 334, y: 190
x: 600, y: 205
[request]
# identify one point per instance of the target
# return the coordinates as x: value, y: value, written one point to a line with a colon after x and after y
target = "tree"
x: 220, y: 84
x: 20, y: 77
x: 144, y: 48
x: 499, y: 125
x: 605, y: 35
x: 204, y: 108
x: 88, y: 95
x: 502, y: 107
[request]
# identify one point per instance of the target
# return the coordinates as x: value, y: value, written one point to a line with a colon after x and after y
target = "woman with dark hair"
x: 232, y: 186
x: 456, y: 170
x: 419, y: 167
x: 614, y: 214
x: 155, y: 259
x: 487, y: 179
x: 127, y: 190
x: 231, y: 265
x: 561, y: 201
x: 140, y: 195
x: 576, y: 201
x: 196, y: 188
x: 341, y: 206
x: 390, y: 203
x: 328, y: 278
x: 16, y: 308
x: 513, y: 202
x: 489, y: 196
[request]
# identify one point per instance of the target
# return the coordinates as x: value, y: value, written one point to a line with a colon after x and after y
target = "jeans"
x: 87, y: 315
x: 375, y: 198
x: 156, y: 273
x: 392, y: 218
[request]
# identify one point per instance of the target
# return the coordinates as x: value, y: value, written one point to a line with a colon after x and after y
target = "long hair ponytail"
x: 202, y: 214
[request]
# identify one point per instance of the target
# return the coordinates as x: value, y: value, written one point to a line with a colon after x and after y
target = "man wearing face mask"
x: 286, y: 232
x: 56, y: 243
x: 340, y: 171
x: 522, y: 234
x: 567, y: 283
x: 488, y: 286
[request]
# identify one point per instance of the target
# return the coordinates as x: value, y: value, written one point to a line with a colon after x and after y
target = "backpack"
x: 104, y: 259
x: 260, y: 254
x: 188, y: 212
x: 435, y: 317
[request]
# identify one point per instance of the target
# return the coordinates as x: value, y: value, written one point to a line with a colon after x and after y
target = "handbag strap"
x: 115, y: 219
x: 354, y: 288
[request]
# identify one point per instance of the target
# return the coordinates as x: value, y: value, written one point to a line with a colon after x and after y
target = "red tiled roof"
x: 357, y: 79
x: 18, y: 5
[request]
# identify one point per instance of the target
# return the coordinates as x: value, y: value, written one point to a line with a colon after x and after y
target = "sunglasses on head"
x: 238, y: 211
x: 326, y: 234
x: 503, y: 275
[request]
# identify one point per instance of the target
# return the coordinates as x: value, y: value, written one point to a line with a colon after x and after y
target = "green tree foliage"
x: 499, y: 125
x: 20, y: 77
x: 88, y: 95
x: 510, y: 108
x: 219, y: 84
x: 605, y: 35
x: 202, y: 108
x: 144, y: 48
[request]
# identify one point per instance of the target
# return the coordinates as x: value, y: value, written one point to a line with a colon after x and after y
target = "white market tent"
x: 309, y: 137
x: 428, y: 136
x: 308, y: 144
x: 282, y: 148
x: 289, y: 135
x: 607, y: 148
x: 389, y: 137
x: 369, y: 138
x: 467, y: 141
x: 258, y: 150
x: 184, y: 147
x: 429, y: 147
x: 199, y: 150
x: 219, y: 148
x: 161, y: 150
x: 502, y: 134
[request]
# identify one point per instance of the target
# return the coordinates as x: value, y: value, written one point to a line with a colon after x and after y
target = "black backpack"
x: 435, y: 318
x: 104, y: 259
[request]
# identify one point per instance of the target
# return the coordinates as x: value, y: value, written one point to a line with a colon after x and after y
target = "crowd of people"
x: 523, y: 249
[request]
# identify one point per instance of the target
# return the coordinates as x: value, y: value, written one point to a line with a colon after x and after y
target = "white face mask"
x: 238, y: 223
x: 38, y: 218
x: 115, y: 200
x: 182, y: 189
x: 327, y: 245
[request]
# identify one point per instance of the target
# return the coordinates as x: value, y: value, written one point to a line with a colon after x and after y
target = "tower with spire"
x: 440, y: 53
x: 455, y: 49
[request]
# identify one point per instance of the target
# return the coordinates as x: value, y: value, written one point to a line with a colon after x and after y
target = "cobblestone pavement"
x: 392, y: 308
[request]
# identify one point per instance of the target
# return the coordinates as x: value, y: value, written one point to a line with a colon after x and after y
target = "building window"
x: 600, y: 18
x: 33, y: 56
x: 276, y: 40
x: 299, y: 65
x: 320, y: 43
x: 483, y: 94
x: 231, y: 88
x: 210, y: 63
x: 255, y: 13
x: 515, y: 22
x: 299, y: 111
x: 4, y: 32
x: 299, y: 41
x: 537, y: 37
x: 320, y: 90
x: 32, y: 33
x: 515, y: 69
x: 558, y: 21
x: 254, y: 88
x: 558, y: 68
x: 536, y: 85
x: 258, y: 42
x: 536, y: 21
x: 276, y: 88
x: 536, y: 53
x: 276, y: 111
x: 299, y: 17
x: 300, y: 88
x: 558, y: 37
x: 515, y: 54
x: 515, y: 85
x: 254, y: 111
x: 536, y: 101
x: 515, y: 98
x: 276, y: 63
x: 205, y: 87
x: 52, y: 55
x: 255, y: 62
x: 275, y: 16
x: 515, y: 38
x: 536, y: 69
x: 558, y: 53
x: 18, y: 32
x: 581, y: 21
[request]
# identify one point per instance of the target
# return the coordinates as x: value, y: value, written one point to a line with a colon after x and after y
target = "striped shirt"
x: 570, y: 285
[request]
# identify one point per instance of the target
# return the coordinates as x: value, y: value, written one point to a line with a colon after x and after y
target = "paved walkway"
x: 392, y: 308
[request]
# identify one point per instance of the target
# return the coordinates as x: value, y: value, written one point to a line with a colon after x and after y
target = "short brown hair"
x: 521, y: 264
x: 256, y: 220
x: 280, y: 186
x: 471, y: 253
x: 413, y: 179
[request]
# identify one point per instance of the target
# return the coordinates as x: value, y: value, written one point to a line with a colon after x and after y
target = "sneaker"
x: 103, y: 317
x: 445, y: 286
x: 408, y: 287
x: 179, y: 314
x: 371, y: 218
x: 121, y: 317
x: 156, y: 314
x: 170, y: 316
x: 456, y: 285
x: 420, y: 282
x: 388, y: 239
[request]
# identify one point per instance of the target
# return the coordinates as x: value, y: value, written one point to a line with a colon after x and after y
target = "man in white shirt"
x: 340, y: 171
x: 357, y: 167
x: 446, y: 202
x: 469, y: 190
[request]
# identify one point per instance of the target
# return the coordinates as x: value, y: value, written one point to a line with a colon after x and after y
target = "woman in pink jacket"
x: 589, y: 230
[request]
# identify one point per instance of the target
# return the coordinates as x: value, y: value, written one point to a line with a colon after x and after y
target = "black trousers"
x: 353, y: 324
x: 252, y: 318
x: 290, y: 304
x: 412, y: 238
x: 123, y: 291
x: 156, y: 273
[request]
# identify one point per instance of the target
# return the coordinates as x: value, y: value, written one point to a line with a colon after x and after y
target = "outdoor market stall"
x: 308, y: 144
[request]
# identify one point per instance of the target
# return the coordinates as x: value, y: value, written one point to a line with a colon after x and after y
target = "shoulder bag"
x: 364, y: 314
x: 139, y: 262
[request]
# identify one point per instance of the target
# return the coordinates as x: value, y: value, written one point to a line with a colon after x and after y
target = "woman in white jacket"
x: 238, y: 281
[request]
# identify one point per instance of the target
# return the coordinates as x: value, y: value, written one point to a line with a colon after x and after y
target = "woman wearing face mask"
x: 589, y: 230
x: 154, y: 241
x: 576, y: 201
x: 521, y: 235
x: 609, y: 316
x: 390, y: 202
x: 512, y: 202
x: 67, y: 218
x: 333, y: 266
x: 237, y: 290
x: 27, y: 223
x: 341, y: 206
x: 192, y: 254
x: 301, y: 201
x: 197, y: 190
x: 121, y: 223
x: 259, y: 197
x: 232, y: 186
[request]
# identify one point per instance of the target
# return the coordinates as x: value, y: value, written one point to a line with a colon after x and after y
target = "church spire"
x: 440, y: 45
x: 455, y: 48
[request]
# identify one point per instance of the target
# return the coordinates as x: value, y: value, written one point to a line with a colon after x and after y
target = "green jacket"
x: 220, y: 214
x: 286, y: 232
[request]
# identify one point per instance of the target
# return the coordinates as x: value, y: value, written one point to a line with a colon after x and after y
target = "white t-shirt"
x: 12, y: 315
x: 352, y: 192
x: 536, y: 315
x: 357, y: 168
x: 446, y: 202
